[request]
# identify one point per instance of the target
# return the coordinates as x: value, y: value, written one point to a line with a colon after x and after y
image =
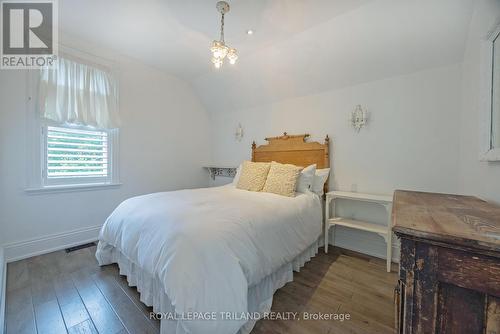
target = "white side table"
x: 384, y: 231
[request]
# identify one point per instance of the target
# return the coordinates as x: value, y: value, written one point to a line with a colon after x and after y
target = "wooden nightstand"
x: 382, y: 230
x: 449, y: 273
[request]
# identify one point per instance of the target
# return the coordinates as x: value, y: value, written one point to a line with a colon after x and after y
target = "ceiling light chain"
x: 219, y: 48
x: 222, y: 28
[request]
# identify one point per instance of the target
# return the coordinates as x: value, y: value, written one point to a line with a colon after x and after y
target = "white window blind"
x: 75, y: 153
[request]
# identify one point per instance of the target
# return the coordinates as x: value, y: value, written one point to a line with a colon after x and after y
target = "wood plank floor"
x: 69, y: 293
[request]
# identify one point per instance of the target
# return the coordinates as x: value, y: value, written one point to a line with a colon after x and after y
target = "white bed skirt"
x: 260, y: 296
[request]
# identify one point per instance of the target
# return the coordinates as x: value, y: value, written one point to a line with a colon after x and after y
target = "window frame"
x: 36, y: 141
x: 487, y: 153
x: 77, y: 180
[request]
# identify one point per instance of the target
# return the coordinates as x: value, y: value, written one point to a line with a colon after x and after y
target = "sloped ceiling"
x: 299, y: 47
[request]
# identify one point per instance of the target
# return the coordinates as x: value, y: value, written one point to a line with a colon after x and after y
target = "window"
x: 490, y: 95
x: 74, y: 129
x: 75, y: 155
x: 495, y: 94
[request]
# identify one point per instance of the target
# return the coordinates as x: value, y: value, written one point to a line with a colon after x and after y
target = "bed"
x: 209, y: 260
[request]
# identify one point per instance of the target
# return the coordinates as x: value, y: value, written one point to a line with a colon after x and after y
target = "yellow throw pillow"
x: 253, y: 175
x: 282, y: 179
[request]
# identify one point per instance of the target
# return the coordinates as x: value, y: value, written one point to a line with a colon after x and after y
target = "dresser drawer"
x: 469, y: 270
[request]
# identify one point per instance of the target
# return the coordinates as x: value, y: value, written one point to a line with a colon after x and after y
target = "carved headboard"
x: 293, y: 149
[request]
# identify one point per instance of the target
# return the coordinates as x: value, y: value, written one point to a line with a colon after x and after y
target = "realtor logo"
x: 29, y: 34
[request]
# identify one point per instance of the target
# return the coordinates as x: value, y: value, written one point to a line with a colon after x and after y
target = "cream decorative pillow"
x: 253, y: 175
x: 282, y: 179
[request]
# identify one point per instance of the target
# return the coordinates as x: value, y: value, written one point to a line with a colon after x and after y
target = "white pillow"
x: 306, y: 179
x: 237, y: 176
x: 319, y: 180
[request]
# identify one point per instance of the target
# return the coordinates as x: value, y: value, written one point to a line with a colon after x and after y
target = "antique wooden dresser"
x: 449, y: 275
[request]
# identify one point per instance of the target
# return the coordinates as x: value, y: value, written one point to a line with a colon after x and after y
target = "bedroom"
x: 395, y: 102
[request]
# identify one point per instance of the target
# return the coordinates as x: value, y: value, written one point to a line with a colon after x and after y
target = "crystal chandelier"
x: 219, y: 49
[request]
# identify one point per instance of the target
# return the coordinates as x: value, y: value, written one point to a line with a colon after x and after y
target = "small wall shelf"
x: 220, y: 170
x: 382, y: 230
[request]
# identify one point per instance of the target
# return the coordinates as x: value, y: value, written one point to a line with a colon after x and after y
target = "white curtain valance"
x: 80, y: 94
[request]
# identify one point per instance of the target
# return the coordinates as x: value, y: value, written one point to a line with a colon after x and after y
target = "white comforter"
x: 208, y: 246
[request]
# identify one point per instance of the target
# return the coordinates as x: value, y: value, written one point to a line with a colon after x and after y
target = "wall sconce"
x: 239, y: 132
x: 359, y: 118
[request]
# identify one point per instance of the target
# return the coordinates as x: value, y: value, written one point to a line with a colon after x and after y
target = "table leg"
x: 389, y: 250
x: 389, y: 237
x: 326, y: 238
x: 327, y: 215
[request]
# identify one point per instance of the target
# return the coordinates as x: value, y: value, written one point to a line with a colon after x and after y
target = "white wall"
x: 410, y: 143
x: 164, y: 138
x: 476, y: 178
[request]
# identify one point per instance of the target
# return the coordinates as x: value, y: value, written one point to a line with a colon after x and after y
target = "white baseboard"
x: 50, y: 243
x: 364, y: 242
x: 3, y: 289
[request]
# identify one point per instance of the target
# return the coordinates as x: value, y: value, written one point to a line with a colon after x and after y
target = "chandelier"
x: 219, y: 49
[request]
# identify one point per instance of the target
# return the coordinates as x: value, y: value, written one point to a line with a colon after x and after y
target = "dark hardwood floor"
x: 69, y: 293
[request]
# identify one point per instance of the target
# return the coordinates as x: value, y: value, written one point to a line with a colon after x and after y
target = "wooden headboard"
x: 293, y: 149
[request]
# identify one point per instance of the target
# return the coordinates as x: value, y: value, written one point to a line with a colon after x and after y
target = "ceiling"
x: 299, y: 47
